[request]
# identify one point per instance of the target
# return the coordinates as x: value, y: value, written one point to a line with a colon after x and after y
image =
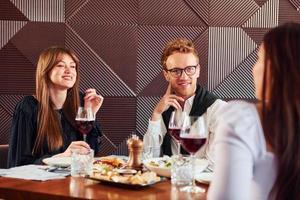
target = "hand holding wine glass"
x: 84, y: 120
x: 193, y: 136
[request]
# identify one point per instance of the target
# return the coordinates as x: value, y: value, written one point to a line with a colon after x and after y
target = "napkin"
x: 31, y: 172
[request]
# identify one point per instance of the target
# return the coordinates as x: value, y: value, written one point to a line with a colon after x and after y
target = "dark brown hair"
x: 48, y: 127
x: 281, y: 111
x: 180, y: 45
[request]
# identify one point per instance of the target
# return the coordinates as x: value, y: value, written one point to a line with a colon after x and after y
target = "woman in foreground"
x: 257, y: 145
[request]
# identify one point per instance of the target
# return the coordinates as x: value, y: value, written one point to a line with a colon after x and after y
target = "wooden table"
x: 83, y: 188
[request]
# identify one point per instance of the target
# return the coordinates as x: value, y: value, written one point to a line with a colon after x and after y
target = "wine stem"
x: 193, y: 170
x: 84, y: 137
x: 178, y: 148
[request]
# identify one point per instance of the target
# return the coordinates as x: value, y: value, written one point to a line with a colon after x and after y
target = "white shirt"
x: 157, y: 130
x: 244, y: 169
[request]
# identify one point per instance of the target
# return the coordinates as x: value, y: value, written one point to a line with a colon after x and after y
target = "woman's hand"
x: 93, y: 99
x: 78, y: 146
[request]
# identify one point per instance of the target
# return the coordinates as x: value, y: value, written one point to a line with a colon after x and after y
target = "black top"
x: 24, y: 132
x: 203, y: 100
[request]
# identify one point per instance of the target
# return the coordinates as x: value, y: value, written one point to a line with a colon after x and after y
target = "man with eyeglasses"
x: 181, y: 69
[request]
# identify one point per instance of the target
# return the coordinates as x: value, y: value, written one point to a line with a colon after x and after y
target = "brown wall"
x: 119, y: 43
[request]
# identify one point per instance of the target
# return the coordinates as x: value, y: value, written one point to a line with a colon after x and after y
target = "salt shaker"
x: 135, y: 148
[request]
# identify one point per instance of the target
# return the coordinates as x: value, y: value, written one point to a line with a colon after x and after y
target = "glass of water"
x: 181, y: 170
x: 82, y: 164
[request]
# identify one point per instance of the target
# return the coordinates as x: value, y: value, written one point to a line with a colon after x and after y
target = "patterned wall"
x: 119, y: 43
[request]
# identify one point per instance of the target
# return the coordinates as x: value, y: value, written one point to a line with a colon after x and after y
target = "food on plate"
x: 164, y: 162
x: 111, y: 168
x: 113, y: 161
x: 137, y: 179
x: 106, y: 164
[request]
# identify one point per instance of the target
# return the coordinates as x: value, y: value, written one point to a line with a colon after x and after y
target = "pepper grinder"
x: 135, y: 148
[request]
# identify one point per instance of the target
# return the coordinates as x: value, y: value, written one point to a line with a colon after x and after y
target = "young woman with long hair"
x: 43, y: 124
x: 257, y: 145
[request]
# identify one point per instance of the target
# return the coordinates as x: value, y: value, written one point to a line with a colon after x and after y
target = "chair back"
x: 3, y: 155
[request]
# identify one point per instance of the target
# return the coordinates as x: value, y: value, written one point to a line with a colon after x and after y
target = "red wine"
x: 84, y: 126
x: 175, y: 132
x: 192, y: 145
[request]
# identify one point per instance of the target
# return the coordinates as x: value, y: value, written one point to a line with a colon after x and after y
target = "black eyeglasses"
x: 177, y: 72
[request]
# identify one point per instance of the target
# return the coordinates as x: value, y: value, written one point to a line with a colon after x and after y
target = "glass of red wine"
x: 193, y: 136
x: 84, y: 120
x: 175, y: 125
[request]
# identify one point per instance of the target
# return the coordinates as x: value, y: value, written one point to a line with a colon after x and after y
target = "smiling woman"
x: 63, y: 74
x: 44, y: 124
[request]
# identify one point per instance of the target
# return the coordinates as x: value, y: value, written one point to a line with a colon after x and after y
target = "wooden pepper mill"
x: 135, y: 149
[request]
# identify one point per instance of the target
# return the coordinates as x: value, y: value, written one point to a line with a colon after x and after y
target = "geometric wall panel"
x: 17, y: 72
x: 202, y: 44
x: 228, y: 47
x: 8, y: 11
x: 12, y: 26
x: 7, y: 106
x: 239, y: 84
x: 116, y: 12
x: 116, y: 45
x: 288, y: 12
x: 119, y: 44
x: 73, y: 6
x: 145, y: 106
x: 150, y: 49
x: 42, y: 11
x: 157, y: 87
x: 94, y: 71
x: 9, y: 102
x: 265, y: 17
x: 107, y: 146
x: 117, y: 118
x: 296, y: 3
x: 201, y: 8
x: 162, y: 13
x: 5, y: 124
x: 231, y: 13
x: 35, y: 34
x: 261, y: 2
x: 256, y: 34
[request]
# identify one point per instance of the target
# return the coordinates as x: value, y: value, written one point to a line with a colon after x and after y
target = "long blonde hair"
x: 48, y: 124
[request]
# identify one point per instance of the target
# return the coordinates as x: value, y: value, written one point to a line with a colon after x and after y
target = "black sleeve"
x: 23, y: 135
x: 22, y: 138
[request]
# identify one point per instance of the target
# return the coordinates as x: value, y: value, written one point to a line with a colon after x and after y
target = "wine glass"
x: 84, y: 120
x: 193, y: 136
x: 175, y: 125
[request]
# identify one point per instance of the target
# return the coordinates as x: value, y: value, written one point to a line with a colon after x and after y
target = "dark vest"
x: 203, y: 99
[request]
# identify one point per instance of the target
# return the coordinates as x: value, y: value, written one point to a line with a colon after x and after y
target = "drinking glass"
x: 84, y: 120
x: 175, y: 125
x: 193, y: 136
x: 82, y: 163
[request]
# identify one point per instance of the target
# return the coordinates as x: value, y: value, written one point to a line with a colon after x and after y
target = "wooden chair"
x: 3, y: 155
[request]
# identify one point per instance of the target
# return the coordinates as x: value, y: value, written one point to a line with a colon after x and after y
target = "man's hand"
x: 165, y: 102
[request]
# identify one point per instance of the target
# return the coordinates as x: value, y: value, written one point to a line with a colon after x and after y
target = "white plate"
x: 201, y: 164
x: 58, y: 161
x: 204, y: 177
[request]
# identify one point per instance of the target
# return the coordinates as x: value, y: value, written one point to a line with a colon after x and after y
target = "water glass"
x: 82, y: 164
x: 181, y: 170
x: 151, y: 152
